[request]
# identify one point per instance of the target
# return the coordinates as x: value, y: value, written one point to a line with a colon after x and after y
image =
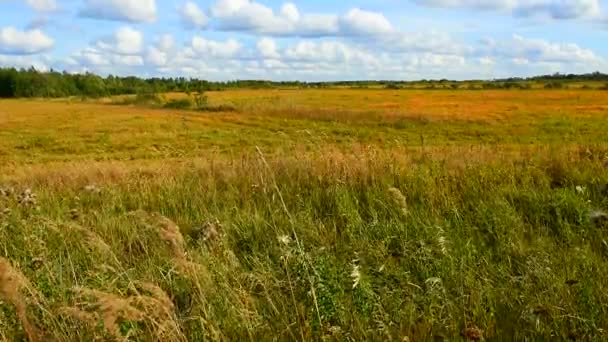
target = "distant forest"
x: 33, y: 83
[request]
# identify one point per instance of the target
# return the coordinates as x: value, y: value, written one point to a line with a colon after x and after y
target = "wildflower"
x: 355, y: 275
x: 432, y: 282
x: 284, y: 239
x: 27, y: 198
x: 581, y: 189
x: 92, y: 188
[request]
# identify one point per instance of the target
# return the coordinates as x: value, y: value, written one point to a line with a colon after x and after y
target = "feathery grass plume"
x: 399, y: 199
x: 355, y: 274
x: 12, y: 284
x: 170, y: 233
x: 93, y: 240
x: 155, y: 309
x: 442, y: 241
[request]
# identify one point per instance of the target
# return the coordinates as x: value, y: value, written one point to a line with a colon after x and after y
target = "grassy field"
x: 400, y: 215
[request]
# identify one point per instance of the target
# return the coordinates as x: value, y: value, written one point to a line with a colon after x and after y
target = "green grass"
x: 505, y: 246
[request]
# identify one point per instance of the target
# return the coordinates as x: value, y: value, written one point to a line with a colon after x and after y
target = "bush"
x: 179, y: 104
x: 142, y: 99
x: 201, y: 101
x: 554, y: 85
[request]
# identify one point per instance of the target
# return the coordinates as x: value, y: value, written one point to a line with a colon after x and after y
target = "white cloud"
x: 121, y: 10
x: 206, y: 48
x: 290, y: 12
x: 42, y: 5
x: 538, y: 50
x: 159, y: 54
x: 267, y: 48
x: 556, y: 9
x: 40, y: 63
x: 357, y: 21
x: 253, y: 17
x: 125, y: 41
x: 192, y: 16
x: 117, y: 52
x: 14, y: 41
x: 94, y: 58
x: 330, y: 51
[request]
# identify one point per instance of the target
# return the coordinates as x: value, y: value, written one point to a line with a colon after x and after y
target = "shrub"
x: 554, y: 85
x: 179, y: 104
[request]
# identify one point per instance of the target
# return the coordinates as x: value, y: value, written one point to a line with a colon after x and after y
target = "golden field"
x: 334, y: 214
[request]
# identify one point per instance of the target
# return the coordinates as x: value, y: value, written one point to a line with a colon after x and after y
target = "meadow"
x: 306, y: 214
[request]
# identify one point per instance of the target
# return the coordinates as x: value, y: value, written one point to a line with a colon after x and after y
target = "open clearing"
x: 335, y: 214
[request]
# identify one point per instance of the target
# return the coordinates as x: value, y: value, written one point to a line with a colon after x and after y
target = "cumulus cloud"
x: 121, y: 10
x: 159, y: 54
x: 192, y: 16
x: 556, y: 9
x: 207, y: 48
x: 267, y: 48
x: 40, y: 63
x: 91, y: 58
x: 253, y: 17
x: 125, y: 41
x: 357, y: 21
x: 124, y: 48
x: 537, y: 50
x: 14, y: 41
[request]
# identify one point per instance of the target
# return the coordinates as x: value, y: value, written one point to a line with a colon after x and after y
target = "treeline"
x: 33, y: 83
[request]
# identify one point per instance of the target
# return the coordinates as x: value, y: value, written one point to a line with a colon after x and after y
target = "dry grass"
x: 16, y: 289
x: 156, y: 309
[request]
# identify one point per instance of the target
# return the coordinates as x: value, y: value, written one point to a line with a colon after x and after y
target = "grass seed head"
x: 155, y: 308
x: 399, y: 199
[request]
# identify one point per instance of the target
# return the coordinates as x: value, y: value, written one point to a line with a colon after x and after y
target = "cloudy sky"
x: 307, y: 40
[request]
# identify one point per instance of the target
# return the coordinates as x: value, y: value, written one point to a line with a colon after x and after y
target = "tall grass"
x: 377, y: 246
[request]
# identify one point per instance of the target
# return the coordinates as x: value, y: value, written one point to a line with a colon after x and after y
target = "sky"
x: 311, y: 40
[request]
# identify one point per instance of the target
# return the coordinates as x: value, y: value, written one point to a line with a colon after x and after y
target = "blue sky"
x: 307, y: 40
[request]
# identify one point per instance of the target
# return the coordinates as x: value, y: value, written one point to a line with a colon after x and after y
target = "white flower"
x: 581, y: 189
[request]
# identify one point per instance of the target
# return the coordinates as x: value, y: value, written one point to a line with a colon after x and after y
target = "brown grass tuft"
x: 170, y: 233
x: 155, y: 308
x: 12, y: 284
x: 93, y: 240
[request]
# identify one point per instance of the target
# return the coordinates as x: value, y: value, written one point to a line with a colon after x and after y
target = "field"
x: 333, y: 214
